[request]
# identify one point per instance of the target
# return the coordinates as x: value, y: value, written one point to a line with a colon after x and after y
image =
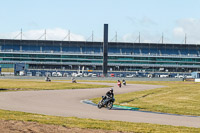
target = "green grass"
x: 176, y: 98
x: 9, y: 85
x: 122, y: 99
x: 93, y: 124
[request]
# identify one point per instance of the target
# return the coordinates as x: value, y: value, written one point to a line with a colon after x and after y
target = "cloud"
x: 51, y: 34
x: 190, y: 27
x: 145, y: 37
x: 179, y: 32
x: 129, y: 37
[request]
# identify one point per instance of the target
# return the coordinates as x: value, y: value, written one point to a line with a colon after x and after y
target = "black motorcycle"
x: 124, y: 83
x: 106, y: 102
x: 48, y: 79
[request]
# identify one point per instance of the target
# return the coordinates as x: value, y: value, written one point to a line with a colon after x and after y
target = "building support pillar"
x: 105, y: 51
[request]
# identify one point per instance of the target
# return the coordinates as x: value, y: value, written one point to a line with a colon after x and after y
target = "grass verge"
x: 93, y: 124
x: 10, y: 85
x: 78, y: 122
x: 176, y: 98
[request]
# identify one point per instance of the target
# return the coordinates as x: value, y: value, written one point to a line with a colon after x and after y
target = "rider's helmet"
x: 111, y: 89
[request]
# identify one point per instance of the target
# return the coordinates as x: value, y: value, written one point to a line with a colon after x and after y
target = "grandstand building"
x: 46, y: 55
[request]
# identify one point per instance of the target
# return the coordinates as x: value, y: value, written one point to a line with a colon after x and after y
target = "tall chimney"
x: 105, y: 50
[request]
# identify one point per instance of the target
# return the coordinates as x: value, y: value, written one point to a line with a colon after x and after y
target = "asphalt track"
x: 68, y: 103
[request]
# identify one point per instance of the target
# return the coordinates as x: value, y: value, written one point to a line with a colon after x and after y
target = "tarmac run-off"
x: 68, y: 103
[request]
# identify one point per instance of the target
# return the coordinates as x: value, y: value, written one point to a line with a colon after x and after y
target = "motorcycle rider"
x: 109, y: 95
x: 73, y: 80
x: 124, y: 82
x: 47, y: 79
x: 119, y: 83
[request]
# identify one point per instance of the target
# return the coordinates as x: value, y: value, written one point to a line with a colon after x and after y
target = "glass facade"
x: 121, y: 56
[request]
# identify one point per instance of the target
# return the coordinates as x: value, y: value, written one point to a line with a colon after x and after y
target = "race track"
x: 68, y: 103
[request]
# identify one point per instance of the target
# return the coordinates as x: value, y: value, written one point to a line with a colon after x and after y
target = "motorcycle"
x: 48, y: 79
x: 124, y: 83
x: 119, y: 84
x: 106, y: 102
x: 74, y: 81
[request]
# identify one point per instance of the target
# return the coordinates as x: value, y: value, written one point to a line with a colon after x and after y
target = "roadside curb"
x: 115, y: 107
